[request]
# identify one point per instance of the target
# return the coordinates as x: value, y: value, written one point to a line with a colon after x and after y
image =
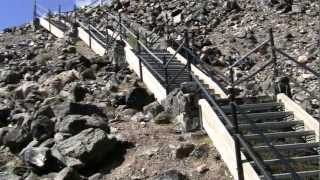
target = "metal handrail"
x: 197, y: 60
x: 135, y: 36
x: 175, y: 54
x: 300, y: 64
x: 153, y: 71
x: 249, y: 53
x: 253, y: 74
x: 178, y: 74
x: 96, y: 30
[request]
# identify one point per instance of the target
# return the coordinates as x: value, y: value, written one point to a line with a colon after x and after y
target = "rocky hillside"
x: 224, y: 29
x: 66, y: 113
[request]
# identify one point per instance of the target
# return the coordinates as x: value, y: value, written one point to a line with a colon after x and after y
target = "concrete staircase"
x: 280, y: 139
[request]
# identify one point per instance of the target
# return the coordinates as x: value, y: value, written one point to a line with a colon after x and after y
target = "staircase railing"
x: 141, y: 48
x: 236, y: 111
x: 237, y: 137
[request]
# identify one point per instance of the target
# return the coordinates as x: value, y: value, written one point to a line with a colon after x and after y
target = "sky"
x: 18, y: 12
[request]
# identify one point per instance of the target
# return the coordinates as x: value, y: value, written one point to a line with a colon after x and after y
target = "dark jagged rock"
x: 10, y: 77
x: 163, y: 118
x: 4, y: 114
x: 138, y: 97
x: 183, y: 150
x: 67, y: 108
x: 154, y: 108
x: 91, y: 146
x: 45, y: 111
x: 79, y: 93
x: 3, y: 132
x: 16, y: 139
x: 74, y: 124
x: 41, y: 160
x: 88, y: 74
x: 42, y: 128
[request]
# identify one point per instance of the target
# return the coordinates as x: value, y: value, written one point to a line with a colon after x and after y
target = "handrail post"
x: 89, y: 32
x: 75, y: 13
x: 59, y: 12
x: 139, y: 52
x: 236, y: 126
x: 186, y: 37
x: 34, y: 10
x: 107, y: 27
x: 274, y: 59
x: 146, y: 38
x: 166, y: 74
x: 120, y: 26
x: 35, y: 16
x: 49, y: 19
x: 167, y: 31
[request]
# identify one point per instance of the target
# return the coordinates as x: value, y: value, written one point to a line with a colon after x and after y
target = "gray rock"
x: 16, y: 139
x: 183, y: 150
x: 4, y: 114
x: 171, y: 175
x: 45, y: 111
x: 163, y: 118
x: 140, y: 117
x: 66, y: 160
x: 67, y: 108
x: 96, y: 176
x: 125, y: 114
x: 90, y: 146
x: 42, y: 128
x: 9, y: 175
x: 22, y: 91
x: 88, y: 74
x: 74, y: 124
x: 185, y: 108
x: 200, y: 151
x: 3, y: 132
x: 177, y: 102
x: 154, y: 108
x: 41, y: 160
x: 10, y: 77
x: 186, y: 123
x: 68, y: 173
x: 61, y: 136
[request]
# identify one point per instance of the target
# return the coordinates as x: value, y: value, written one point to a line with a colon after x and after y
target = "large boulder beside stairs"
x: 183, y: 105
x: 90, y: 146
x: 138, y: 97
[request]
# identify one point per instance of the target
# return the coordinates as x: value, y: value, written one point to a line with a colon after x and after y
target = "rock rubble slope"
x: 66, y: 113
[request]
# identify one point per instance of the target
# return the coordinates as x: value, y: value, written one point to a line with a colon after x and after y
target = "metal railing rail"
x: 88, y: 28
x: 239, y: 81
x: 249, y: 53
x: 196, y: 61
x: 315, y: 73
